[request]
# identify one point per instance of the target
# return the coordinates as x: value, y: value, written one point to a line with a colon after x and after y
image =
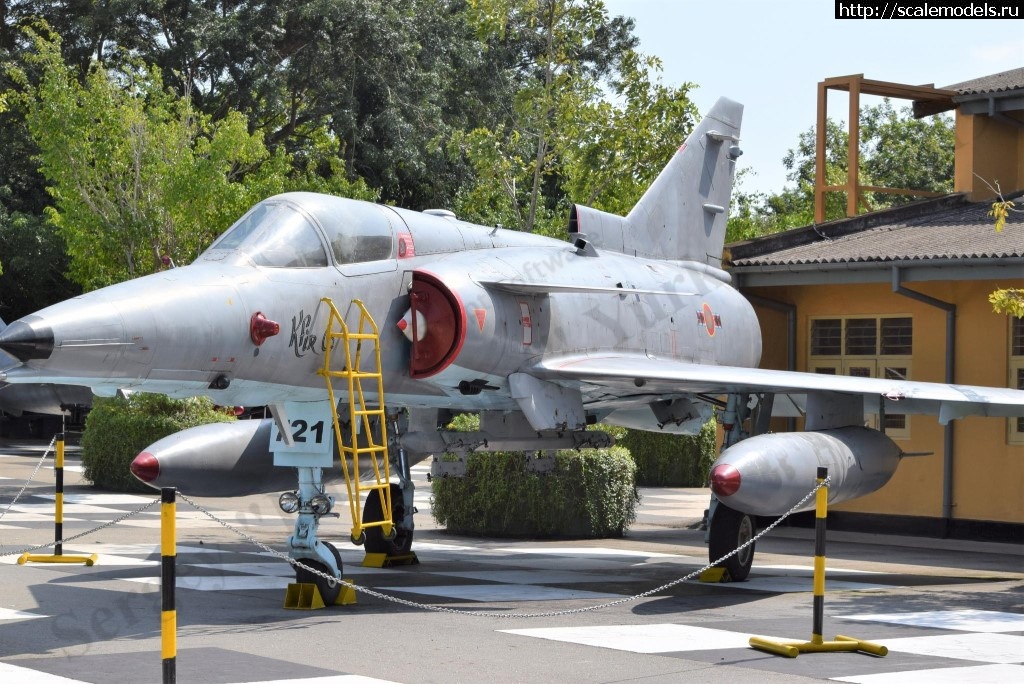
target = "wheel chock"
x: 715, y: 575
x: 304, y: 596
x: 375, y: 560
x: 383, y: 560
x: 347, y: 597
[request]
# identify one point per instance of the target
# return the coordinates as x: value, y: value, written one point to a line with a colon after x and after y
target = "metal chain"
x: 30, y: 478
x: 332, y: 581
x: 104, y: 526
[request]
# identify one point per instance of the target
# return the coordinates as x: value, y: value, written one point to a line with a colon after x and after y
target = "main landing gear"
x: 729, y: 529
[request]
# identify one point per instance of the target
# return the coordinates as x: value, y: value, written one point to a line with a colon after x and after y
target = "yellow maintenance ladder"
x: 360, y: 416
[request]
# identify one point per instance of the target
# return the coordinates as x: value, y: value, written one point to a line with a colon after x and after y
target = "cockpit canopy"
x: 288, y: 231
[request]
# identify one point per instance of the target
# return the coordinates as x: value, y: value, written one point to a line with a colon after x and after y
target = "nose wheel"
x: 328, y: 593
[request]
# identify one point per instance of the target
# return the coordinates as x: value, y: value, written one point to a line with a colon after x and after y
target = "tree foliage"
x: 588, y: 121
x: 117, y: 429
x: 135, y: 172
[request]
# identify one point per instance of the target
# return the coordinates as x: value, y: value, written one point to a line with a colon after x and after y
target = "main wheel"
x: 730, y: 529
x: 373, y: 511
x: 328, y: 593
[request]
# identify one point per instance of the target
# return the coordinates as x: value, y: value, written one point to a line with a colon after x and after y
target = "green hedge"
x: 590, y: 493
x: 116, y: 430
x: 664, y: 460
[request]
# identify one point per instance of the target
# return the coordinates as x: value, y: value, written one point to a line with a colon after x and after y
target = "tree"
x: 32, y: 276
x: 589, y: 121
x: 136, y: 173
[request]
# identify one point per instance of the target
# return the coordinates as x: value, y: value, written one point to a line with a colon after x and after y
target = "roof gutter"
x: 948, y: 431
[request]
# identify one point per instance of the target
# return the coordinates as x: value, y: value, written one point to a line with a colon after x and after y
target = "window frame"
x: 875, y: 364
x: 1014, y: 378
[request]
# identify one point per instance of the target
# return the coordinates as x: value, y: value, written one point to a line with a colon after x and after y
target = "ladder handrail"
x: 337, y: 329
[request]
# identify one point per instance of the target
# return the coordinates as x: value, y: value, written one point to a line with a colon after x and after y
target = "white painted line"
x: 583, y: 551
x: 337, y: 679
x: 985, y: 647
x: 501, y: 592
x: 963, y: 620
x: 23, y: 675
x: 104, y: 499
x: 537, y: 577
x: 659, y: 638
x: 10, y: 614
x: 218, y: 583
x: 802, y: 570
x: 981, y: 674
x: 792, y: 585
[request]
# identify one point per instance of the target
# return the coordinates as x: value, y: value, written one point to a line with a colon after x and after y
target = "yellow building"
x: 904, y: 292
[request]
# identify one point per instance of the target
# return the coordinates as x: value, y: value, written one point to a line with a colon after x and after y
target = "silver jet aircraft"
x: 39, y: 398
x: 631, y: 322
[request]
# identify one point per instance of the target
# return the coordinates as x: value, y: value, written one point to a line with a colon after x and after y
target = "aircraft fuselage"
x: 188, y: 331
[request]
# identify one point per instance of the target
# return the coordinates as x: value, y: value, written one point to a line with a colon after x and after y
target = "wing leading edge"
x: 645, y: 374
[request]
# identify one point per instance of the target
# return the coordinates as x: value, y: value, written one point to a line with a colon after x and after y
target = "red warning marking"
x: 524, y: 318
x: 481, y: 318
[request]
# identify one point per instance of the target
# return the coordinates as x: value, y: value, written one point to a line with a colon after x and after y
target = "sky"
x: 770, y: 56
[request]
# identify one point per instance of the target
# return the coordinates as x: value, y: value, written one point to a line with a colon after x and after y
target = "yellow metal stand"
x: 58, y: 547
x: 360, y: 416
x: 792, y: 649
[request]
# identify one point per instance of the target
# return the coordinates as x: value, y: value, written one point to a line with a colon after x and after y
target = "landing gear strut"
x: 304, y: 546
x: 728, y: 529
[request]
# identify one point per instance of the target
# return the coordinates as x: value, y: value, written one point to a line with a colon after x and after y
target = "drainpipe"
x: 790, y: 311
x: 947, y: 447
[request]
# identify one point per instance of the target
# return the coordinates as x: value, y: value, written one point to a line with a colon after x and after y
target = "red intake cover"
x: 445, y: 322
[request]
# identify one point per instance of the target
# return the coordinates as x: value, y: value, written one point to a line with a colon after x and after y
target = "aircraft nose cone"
x: 145, y: 467
x: 725, y: 480
x: 27, y: 341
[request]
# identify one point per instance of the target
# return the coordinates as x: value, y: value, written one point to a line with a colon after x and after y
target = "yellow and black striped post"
x: 820, y: 516
x: 58, y: 519
x: 817, y: 644
x: 168, y: 555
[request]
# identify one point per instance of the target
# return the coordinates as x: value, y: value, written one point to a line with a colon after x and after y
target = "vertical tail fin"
x: 682, y: 215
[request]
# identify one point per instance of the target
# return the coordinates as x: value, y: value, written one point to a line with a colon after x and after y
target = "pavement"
x: 486, y: 610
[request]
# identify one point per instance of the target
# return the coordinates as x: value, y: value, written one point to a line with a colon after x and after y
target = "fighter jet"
x: 46, y: 399
x: 631, y: 321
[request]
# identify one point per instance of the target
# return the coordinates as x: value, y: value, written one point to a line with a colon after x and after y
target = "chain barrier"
x: 31, y: 477
x: 332, y: 581
x: 109, y: 523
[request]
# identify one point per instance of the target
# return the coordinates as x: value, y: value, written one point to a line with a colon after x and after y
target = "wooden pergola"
x: 926, y: 97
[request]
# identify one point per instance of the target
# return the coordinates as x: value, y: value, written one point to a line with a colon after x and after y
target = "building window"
x: 866, y: 347
x: 1016, y: 431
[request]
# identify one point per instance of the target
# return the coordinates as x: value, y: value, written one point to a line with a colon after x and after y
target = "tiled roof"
x: 944, y: 228
x: 993, y: 83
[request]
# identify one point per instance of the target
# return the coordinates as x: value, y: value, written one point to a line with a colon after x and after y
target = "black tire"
x: 730, y: 529
x: 328, y: 593
x: 373, y: 511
